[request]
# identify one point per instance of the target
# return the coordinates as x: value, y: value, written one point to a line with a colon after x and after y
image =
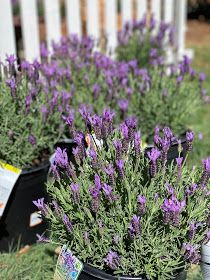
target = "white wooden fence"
x: 167, y: 10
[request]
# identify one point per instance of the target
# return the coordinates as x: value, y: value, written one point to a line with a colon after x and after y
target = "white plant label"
x: 8, y: 177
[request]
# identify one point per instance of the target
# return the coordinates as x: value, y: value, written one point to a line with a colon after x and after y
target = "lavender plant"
x: 159, y: 96
x: 124, y: 211
x: 31, y: 115
x: 147, y: 43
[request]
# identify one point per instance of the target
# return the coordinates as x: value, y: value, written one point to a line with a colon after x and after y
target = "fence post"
x: 93, y: 18
x: 53, y: 21
x: 7, y: 43
x: 141, y: 9
x: 126, y: 10
x: 180, y: 22
x: 73, y: 17
x: 111, y: 23
x: 30, y: 28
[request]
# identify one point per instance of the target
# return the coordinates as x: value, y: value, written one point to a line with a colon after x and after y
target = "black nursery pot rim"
x: 34, y: 169
x: 102, y: 275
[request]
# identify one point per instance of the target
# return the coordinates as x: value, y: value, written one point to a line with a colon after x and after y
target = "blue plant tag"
x: 68, y: 266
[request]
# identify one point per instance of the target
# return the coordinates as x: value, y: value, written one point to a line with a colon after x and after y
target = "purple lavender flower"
x: 42, y: 239
x: 191, y: 253
x: 193, y: 229
x: 43, y: 51
x: 75, y: 152
x: 41, y: 206
x: 134, y: 227
x: 93, y: 155
x: 112, y: 260
x: 123, y: 105
x: 95, y: 195
x: 67, y: 223
x: 202, y: 77
x: 120, y: 168
x: 167, y: 133
x: 61, y: 158
x: 109, y: 170
x: 153, y: 155
x: 189, y: 138
x: 118, y: 147
x: 206, y: 172
x: 11, y: 83
x: 179, y: 80
x: 131, y: 123
x: 171, y: 210
x: 96, y: 89
x: 190, y: 190
x: 141, y: 200
x: 97, y: 125
x: 55, y: 172
x: 11, y: 59
x: 107, y: 119
x: 108, y: 193
x: 75, y: 189
x: 56, y: 207
x: 207, y: 237
x: 32, y: 140
x: 44, y: 112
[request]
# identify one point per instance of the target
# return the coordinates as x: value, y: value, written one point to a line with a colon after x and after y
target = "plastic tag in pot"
x: 68, y: 266
x: 8, y: 177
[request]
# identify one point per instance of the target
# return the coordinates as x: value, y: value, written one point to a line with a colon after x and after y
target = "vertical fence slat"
x: 30, y: 27
x: 93, y: 18
x: 156, y: 9
x: 141, y: 9
x: 53, y: 21
x: 7, y: 42
x: 180, y: 22
x: 168, y: 10
x: 73, y: 17
x: 126, y: 10
x: 111, y: 23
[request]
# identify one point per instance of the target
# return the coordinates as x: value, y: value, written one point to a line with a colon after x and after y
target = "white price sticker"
x: 8, y: 177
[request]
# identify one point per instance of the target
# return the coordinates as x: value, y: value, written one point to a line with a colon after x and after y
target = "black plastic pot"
x: 91, y: 273
x: 173, y: 150
x: 16, y: 225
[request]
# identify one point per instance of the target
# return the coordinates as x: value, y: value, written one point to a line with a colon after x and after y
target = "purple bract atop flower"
x: 56, y: 207
x: 154, y: 154
x: 108, y: 192
x: 190, y: 190
x: 134, y: 227
x: 61, y: 158
x: 167, y: 133
x: 75, y: 189
x: 206, y: 172
x: 123, y: 105
x: 112, y: 260
x: 179, y: 80
x: 32, y: 140
x: 118, y: 146
x: 44, y: 112
x: 191, y: 253
x: 96, y: 89
x: 41, y: 206
x: 108, y: 115
x: 124, y: 130
x: 171, y: 210
x: 189, y: 138
x: 109, y: 170
x: 11, y: 59
x: 179, y: 161
x: 193, y: 228
x: 97, y: 182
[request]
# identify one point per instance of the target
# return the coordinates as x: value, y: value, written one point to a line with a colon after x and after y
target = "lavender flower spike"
x: 134, y: 227
x: 120, y: 167
x: 153, y: 155
x: 191, y: 253
x: 112, y: 260
x: 75, y: 189
x: 67, y: 223
x: 118, y: 147
x: 189, y: 138
x: 141, y: 200
x: 206, y: 172
x: 179, y: 161
x: 109, y: 170
x: 41, y: 206
x: 137, y: 144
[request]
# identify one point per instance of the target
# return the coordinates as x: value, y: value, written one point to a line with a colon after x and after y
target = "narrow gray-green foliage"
x: 157, y: 251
